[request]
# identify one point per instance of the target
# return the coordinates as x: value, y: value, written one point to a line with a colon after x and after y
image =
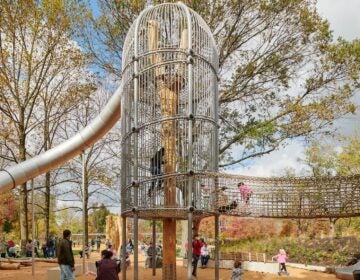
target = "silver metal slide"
x: 24, y: 171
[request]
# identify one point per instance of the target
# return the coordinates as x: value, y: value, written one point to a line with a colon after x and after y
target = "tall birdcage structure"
x: 169, y: 121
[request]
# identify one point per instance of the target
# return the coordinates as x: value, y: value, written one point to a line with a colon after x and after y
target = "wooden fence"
x: 246, y: 256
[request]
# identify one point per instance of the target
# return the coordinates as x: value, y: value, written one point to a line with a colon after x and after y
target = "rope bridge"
x: 310, y: 197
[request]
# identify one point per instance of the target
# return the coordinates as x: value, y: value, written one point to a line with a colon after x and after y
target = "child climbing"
x: 245, y: 192
x: 237, y: 271
x: 281, y: 259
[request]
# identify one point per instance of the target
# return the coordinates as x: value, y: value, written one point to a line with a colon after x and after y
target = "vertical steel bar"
x: 190, y: 135
x: 190, y: 250
x: 216, y: 247
x: 123, y: 248
x: 136, y: 135
x: 153, y: 260
x: 32, y: 229
x: 123, y: 193
x: 83, y: 209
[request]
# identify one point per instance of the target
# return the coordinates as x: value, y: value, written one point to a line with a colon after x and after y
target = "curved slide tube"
x: 347, y: 272
x: 24, y: 171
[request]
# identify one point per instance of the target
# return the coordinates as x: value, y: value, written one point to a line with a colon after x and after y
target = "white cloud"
x: 276, y: 163
x: 343, y: 16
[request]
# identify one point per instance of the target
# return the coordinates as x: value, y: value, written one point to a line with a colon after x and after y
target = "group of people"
x: 107, y: 268
x: 245, y: 195
x: 200, y: 251
x: 49, y: 248
x: 91, y: 247
x: 29, y: 247
x: 152, y: 251
x: 9, y: 248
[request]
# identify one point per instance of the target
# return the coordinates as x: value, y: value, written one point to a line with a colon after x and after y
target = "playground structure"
x: 169, y: 125
x: 169, y: 122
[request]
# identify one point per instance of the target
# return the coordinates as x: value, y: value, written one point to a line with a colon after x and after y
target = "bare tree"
x: 36, y: 58
x: 100, y: 162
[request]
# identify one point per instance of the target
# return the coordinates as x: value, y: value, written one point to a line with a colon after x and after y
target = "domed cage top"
x: 169, y: 114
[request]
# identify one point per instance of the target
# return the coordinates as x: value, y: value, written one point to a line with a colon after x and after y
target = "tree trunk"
x: 23, y: 217
x: 9, y: 266
x: 24, y: 232
x: 86, y: 194
x: 47, y: 178
x: 47, y: 205
x: 196, y: 225
x: 332, y: 227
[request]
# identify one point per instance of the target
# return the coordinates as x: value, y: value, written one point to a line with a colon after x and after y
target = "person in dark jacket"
x: 66, y: 257
x: 107, y: 269
x: 155, y: 169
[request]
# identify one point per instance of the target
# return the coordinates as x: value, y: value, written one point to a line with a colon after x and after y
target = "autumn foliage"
x: 239, y: 228
x: 7, y: 207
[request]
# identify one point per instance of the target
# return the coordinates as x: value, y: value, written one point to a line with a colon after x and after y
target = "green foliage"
x: 99, y: 218
x: 324, y: 159
x: 69, y: 219
x: 321, y: 157
x: 7, y: 226
x: 325, y: 251
x: 76, y: 252
x: 178, y: 252
x: 348, y: 161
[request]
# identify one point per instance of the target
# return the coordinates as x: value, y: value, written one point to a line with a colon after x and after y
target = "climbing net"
x: 312, y: 197
x: 219, y: 193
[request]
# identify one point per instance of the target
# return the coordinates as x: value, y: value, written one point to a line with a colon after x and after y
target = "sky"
x: 344, y: 19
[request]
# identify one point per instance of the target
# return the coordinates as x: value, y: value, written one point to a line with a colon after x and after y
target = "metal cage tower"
x: 169, y: 120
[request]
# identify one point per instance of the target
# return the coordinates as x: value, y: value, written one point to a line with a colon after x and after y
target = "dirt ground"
x: 146, y: 274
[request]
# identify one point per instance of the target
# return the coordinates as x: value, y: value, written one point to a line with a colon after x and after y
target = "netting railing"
x: 312, y: 197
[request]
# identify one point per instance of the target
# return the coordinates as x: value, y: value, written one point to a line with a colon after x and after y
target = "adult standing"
x: 66, y: 257
x: 45, y: 249
x: 129, y: 246
x: 3, y: 246
x: 196, y: 245
x: 51, y: 247
x: 98, y: 243
x: 28, y: 248
x: 36, y: 248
